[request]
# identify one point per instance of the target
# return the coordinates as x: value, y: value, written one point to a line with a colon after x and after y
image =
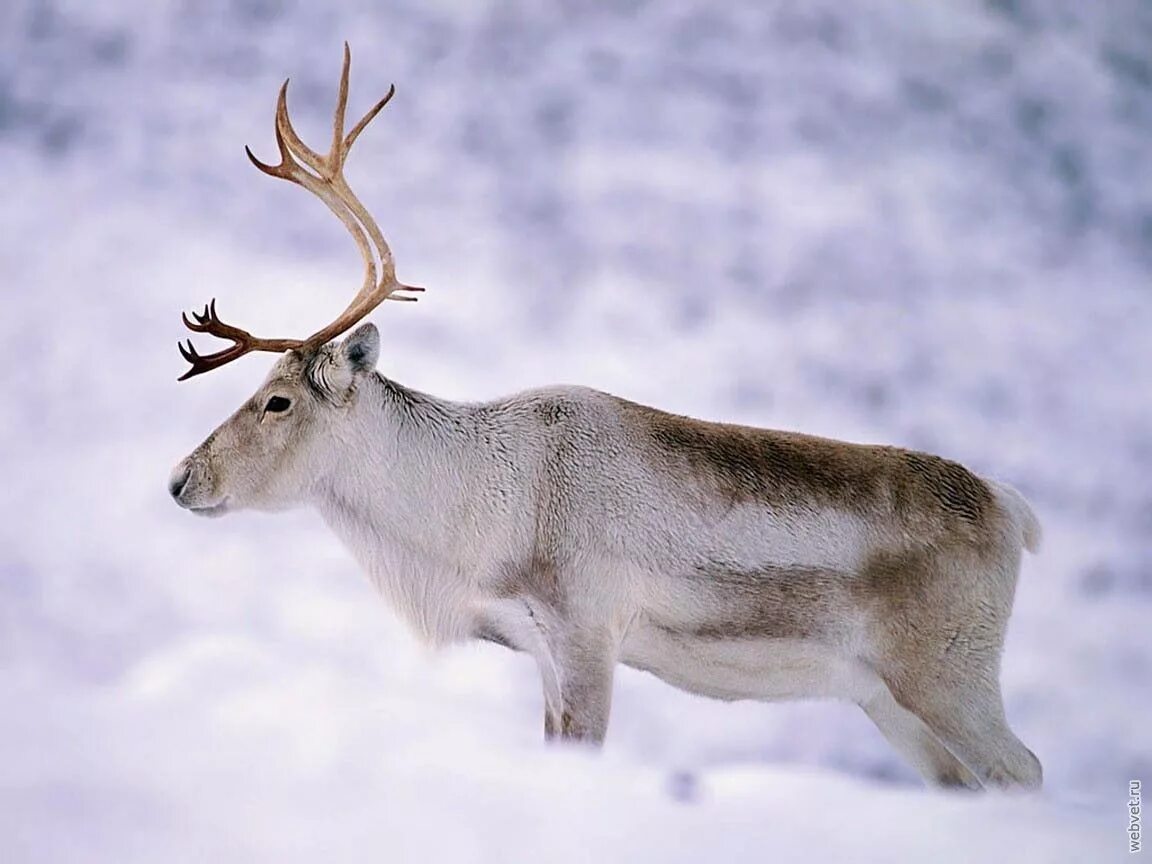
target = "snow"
x: 924, y: 225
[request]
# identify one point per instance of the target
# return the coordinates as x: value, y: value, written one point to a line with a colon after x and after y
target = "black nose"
x: 179, y: 480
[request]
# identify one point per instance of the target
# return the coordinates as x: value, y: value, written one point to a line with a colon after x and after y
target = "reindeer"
x: 588, y: 530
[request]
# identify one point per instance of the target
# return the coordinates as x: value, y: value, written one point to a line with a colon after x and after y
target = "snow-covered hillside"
x: 923, y: 224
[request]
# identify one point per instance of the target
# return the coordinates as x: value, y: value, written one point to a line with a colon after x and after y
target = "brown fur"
x: 769, y: 602
x: 925, y: 495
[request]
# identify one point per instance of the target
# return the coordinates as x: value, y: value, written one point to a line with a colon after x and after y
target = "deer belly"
x: 746, y: 668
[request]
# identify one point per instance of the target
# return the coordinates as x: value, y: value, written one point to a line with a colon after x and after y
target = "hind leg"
x: 916, y: 742
x: 938, y: 650
x: 967, y: 716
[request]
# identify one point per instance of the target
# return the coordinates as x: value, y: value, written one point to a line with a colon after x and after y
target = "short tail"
x: 1021, y: 512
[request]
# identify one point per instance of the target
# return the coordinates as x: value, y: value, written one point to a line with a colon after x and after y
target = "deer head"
x: 260, y: 456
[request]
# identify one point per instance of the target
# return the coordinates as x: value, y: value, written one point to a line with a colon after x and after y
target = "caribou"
x: 588, y: 530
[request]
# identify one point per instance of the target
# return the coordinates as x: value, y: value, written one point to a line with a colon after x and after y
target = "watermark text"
x: 1133, y: 816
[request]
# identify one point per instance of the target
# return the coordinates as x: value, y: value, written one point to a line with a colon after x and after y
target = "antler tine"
x: 336, y: 151
x: 209, y: 322
x: 285, y: 130
x: 351, y: 137
x: 207, y: 362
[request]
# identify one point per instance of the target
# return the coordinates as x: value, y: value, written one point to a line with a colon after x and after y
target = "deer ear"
x: 361, y: 348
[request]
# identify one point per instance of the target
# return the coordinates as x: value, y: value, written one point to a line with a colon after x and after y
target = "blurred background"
x: 925, y: 224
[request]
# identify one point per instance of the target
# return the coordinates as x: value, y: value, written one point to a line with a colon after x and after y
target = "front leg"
x: 576, y: 661
x: 581, y: 666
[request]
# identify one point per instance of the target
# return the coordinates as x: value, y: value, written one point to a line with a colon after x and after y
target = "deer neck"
x: 399, y: 474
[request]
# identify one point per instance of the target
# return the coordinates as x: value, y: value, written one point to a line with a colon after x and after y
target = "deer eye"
x: 277, y: 404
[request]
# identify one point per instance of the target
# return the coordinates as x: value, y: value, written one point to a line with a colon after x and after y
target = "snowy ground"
x: 928, y: 225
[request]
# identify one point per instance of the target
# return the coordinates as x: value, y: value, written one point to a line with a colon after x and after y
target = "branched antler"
x: 323, y: 176
x: 242, y: 342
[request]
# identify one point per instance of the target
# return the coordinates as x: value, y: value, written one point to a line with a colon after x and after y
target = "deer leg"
x: 947, y: 672
x: 916, y: 743
x: 971, y: 723
x: 959, y: 700
x: 583, y: 664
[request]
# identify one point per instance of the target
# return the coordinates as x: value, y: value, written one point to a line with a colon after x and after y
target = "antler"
x: 323, y: 176
x: 242, y: 342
